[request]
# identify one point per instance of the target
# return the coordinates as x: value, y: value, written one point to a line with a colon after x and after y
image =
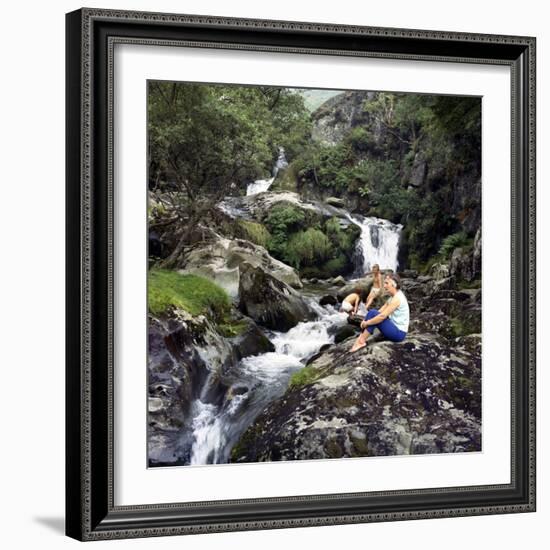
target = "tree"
x: 204, y: 139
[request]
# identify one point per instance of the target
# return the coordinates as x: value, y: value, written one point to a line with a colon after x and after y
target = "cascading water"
x: 260, y: 186
x: 261, y: 379
x: 377, y: 244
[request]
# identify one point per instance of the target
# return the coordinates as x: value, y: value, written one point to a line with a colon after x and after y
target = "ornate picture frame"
x: 91, y: 511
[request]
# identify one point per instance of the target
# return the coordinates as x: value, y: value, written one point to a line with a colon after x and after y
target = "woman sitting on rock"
x: 376, y: 284
x: 393, y: 318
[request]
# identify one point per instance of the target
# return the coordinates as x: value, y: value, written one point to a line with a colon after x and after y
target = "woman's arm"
x: 385, y: 311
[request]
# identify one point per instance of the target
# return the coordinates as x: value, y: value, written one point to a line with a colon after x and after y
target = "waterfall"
x: 260, y: 379
x: 377, y: 244
x: 260, y: 186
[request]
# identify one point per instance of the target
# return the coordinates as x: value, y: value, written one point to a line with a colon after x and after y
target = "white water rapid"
x: 259, y: 380
x: 377, y: 244
x: 260, y: 186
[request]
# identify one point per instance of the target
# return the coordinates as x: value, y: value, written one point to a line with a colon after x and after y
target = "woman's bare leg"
x: 361, y: 342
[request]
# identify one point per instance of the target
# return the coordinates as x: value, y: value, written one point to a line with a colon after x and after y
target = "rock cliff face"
x: 443, y: 175
x: 337, y: 116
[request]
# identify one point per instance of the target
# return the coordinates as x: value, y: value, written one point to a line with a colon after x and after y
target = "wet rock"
x: 440, y: 271
x: 418, y: 171
x: 462, y: 264
x: 259, y: 206
x: 355, y: 320
x: 415, y: 397
x: 252, y: 341
x: 345, y: 332
x: 476, y: 257
x: 187, y: 358
x: 409, y: 274
x: 328, y: 300
x: 269, y: 301
x: 334, y: 201
x: 437, y: 285
x: 358, y: 285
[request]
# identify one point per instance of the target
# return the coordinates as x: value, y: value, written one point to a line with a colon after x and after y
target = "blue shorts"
x: 387, y: 327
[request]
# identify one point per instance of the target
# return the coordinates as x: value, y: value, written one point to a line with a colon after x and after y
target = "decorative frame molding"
x: 90, y: 510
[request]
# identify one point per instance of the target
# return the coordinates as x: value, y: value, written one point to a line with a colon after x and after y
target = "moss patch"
x: 246, y: 443
x: 194, y: 294
x: 254, y: 232
x: 458, y: 328
x: 303, y: 377
x: 333, y: 449
x: 232, y: 329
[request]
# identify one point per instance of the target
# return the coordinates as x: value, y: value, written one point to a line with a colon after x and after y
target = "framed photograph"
x: 300, y: 274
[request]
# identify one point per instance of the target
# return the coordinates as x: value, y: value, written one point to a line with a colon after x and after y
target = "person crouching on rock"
x: 376, y: 284
x: 393, y: 318
x: 351, y: 302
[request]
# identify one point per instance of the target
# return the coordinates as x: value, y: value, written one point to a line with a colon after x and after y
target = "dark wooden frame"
x: 90, y: 510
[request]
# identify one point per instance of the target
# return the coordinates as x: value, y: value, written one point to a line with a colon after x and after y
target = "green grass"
x: 194, y: 294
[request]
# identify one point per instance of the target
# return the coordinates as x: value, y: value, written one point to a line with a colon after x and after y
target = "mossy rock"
x: 254, y: 232
x: 304, y: 377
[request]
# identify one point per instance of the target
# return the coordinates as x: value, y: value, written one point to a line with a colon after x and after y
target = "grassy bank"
x: 194, y: 294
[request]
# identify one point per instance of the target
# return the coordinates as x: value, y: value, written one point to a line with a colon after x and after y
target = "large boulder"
x: 220, y: 260
x: 250, y: 340
x: 260, y: 205
x: 269, y: 301
x: 419, y: 396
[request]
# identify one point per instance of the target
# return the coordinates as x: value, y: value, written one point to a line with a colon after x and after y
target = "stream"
x: 258, y: 381
x: 261, y: 379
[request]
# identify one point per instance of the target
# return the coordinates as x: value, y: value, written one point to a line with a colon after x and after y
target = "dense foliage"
x: 410, y: 158
x: 314, y: 246
x: 207, y: 141
x: 203, y: 138
x: 406, y: 161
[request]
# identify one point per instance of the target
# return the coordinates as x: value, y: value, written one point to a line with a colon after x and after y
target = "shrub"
x: 308, y: 247
x: 451, y: 242
x: 342, y: 239
x: 284, y: 217
x: 360, y: 139
x: 335, y: 266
